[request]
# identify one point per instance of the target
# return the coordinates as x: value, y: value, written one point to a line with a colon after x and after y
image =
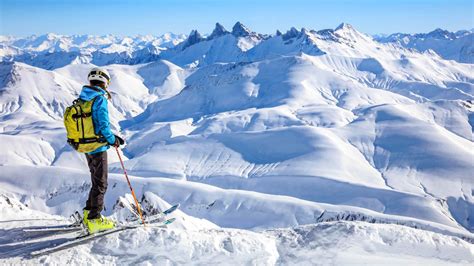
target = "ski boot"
x: 99, y: 224
x: 85, y: 214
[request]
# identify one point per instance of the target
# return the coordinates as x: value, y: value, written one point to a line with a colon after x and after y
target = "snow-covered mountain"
x: 311, y: 143
x: 220, y: 46
x: 53, y: 51
x: 457, y: 46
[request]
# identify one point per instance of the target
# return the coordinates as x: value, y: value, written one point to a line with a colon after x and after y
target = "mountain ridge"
x: 111, y: 49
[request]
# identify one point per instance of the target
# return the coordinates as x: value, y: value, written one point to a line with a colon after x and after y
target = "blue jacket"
x: 100, y: 115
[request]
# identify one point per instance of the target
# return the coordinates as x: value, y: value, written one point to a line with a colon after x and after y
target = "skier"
x: 94, y: 140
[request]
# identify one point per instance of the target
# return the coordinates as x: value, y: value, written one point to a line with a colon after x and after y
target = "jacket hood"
x: 90, y: 92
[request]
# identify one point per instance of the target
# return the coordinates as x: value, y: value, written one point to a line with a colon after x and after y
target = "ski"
x: 82, y: 239
x: 156, y: 217
x: 130, y: 206
x: 77, y: 224
x: 169, y: 221
x: 53, y: 229
x: 172, y: 209
x: 75, y: 241
x: 161, y: 215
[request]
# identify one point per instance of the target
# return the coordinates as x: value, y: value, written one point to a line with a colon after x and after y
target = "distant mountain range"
x: 52, y: 51
x: 457, y: 45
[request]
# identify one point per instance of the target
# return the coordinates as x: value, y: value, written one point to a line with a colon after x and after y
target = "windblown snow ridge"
x: 328, y: 216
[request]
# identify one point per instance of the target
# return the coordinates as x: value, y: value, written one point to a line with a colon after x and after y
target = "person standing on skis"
x: 93, y: 137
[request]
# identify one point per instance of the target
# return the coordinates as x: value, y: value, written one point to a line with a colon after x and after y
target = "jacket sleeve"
x: 101, y: 116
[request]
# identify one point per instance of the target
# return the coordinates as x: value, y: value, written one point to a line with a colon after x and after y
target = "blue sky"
x: 25, y: 17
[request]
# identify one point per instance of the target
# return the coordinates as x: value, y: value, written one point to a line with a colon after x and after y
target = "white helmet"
x: 100, y: 74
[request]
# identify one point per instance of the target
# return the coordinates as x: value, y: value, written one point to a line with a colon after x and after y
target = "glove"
x: 118, y: 141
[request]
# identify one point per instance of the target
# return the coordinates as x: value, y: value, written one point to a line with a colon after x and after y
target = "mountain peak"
x: 239, y: 30
x: 291, y: 33
x: 218, y: 31
x: 48, y: 37
x: 348, y: 32
x: 344, y: 26
x: 440, y: 34
x: 193, y: 38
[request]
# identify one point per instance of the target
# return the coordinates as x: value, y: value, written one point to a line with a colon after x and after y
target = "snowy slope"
x: 325, y: 135
x: 251, y: 122
x: 316, y: 244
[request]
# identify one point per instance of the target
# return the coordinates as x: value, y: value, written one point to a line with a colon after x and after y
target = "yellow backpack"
x: 80, y: 128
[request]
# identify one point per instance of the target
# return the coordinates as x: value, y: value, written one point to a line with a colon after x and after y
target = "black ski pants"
x: 99, y: 170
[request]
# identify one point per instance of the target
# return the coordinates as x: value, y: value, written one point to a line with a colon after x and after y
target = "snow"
x: 323, y: 244
x: 315, y: 244
x: 309, y: 147
x: 53, y: 51
x: 457, y: 46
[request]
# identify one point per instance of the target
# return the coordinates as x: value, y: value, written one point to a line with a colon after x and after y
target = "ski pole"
x: 130, y: 186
